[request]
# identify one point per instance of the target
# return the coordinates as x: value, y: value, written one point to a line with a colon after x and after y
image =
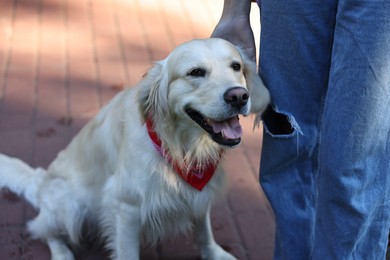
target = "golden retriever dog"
x: 147, y: 165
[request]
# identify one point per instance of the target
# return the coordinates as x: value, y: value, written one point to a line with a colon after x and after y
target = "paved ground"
x: 61, y: 60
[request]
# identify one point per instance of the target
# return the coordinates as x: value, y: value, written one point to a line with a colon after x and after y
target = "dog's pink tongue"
x: 230, y: 129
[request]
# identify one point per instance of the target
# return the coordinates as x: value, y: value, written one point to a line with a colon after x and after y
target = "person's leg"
x: 295, y: 51
x: 353, y: 210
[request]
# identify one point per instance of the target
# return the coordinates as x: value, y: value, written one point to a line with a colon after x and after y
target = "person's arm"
x: 234, y: 26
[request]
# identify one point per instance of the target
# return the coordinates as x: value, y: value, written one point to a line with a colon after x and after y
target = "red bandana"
x: 197, y: 178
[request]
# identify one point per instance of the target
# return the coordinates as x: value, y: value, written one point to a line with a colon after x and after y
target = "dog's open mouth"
x: 226, y: 132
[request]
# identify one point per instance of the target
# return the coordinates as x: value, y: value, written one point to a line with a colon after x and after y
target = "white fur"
x: 111, y: 175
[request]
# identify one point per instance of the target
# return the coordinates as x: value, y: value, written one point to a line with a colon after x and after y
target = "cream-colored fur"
x: 111, y: 174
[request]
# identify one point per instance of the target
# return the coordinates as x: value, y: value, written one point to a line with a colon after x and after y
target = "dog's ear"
x: 259, y: 94
x: 152, y: 94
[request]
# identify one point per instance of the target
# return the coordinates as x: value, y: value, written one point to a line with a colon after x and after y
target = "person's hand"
x: 235, y: 28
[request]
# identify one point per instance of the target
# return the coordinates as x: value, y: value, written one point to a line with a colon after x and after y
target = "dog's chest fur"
x: 167, y: 205
x: 166, y: 213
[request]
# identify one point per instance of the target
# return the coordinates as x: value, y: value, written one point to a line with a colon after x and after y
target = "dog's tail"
x: 21, y: 178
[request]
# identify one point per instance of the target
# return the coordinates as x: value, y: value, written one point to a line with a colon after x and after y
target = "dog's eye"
x: 236, y: 66
x: 197, y: 72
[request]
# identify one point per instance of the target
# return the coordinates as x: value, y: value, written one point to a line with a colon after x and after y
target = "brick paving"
x: 61, y: 60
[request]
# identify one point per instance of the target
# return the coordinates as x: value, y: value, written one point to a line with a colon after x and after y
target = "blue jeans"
x: 325, y: 164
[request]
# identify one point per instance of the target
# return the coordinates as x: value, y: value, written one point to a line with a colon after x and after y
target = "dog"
x: 147, y: 165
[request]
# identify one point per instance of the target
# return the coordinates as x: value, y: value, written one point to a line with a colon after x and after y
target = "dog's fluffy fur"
x: 111, y: 174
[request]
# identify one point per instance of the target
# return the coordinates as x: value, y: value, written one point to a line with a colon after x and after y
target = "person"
x: 325, y: 165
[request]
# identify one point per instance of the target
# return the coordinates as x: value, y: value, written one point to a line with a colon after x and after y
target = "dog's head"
x: 207, y: 84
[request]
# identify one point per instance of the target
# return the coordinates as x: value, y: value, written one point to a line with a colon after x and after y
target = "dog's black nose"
x: 236, y: 97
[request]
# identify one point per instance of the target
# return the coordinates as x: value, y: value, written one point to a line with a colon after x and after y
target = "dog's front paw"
x: 216, y: 252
